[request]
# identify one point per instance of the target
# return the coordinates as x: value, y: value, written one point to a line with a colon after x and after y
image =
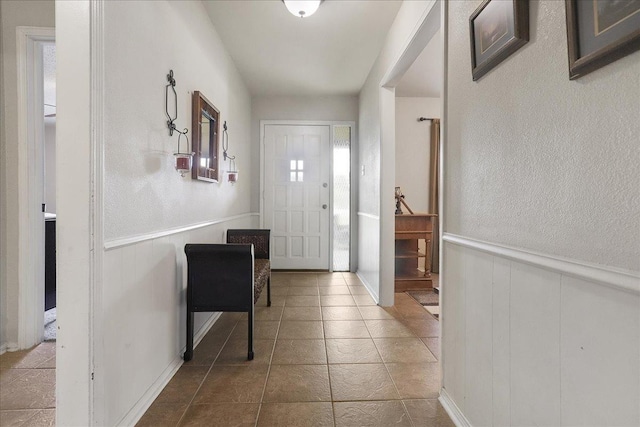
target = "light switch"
x: 362, y: 172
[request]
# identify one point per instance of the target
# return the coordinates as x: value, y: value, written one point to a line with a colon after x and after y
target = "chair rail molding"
x: 625, y: 280
x: 126, y: 241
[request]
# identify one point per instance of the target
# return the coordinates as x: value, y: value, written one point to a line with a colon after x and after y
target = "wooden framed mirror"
x: 205, y: 122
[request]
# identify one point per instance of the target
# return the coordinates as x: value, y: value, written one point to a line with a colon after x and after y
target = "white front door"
x: 296, y: 195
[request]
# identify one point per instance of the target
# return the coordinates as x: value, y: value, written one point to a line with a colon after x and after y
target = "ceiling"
x: 424, y: 78
x: 329, y: 53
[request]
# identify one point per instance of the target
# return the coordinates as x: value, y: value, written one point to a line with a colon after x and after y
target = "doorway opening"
x: 36, y: 137
x: 49, y: 180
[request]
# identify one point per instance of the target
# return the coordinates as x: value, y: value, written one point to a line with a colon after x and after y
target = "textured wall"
x: 142, y: 191
x: 13, y: 14
x: 370, y: 137
x: 537, y: 161
x: 413, y: 146
x: 326, y: 108
x: 50, y: 164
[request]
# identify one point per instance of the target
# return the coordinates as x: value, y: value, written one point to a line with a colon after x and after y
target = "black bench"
x: 228, y: 277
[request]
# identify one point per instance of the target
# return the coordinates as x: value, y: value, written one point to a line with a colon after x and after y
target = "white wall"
x: 539, y: 161
x: 50, y: 164
x: 150, y: 212
x: 523, y: 344
x: 143, y: 193
x: 12, y: 15
x: 410, y: 16
x: 3, y: 228
x: 413, y: 148
x: 321, y: 108
x: 547, y: 331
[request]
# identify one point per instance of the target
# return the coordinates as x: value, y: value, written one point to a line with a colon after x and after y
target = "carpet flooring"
x: 428, y: 299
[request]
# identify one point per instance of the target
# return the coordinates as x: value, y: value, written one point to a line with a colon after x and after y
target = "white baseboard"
x: 147, y: 399
x: 8, y: 346
x: 452, y: 409
x: 367, y: 285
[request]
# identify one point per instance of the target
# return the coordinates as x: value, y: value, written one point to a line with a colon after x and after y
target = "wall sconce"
x: 232, y: 173
x: 183, y: 160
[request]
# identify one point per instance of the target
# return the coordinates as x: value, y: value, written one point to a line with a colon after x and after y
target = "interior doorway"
x: 417, y: 136
x: 33, y: 44
x: 49, y: 182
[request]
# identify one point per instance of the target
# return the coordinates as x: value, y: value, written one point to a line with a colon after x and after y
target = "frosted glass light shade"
x: 302, y: 8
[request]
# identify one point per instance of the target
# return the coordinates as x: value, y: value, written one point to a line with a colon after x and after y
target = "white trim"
x: 126, y: 241
x: 625, y: 280
x: 444, y: 22
x: 353, y: 229
x: 96, y: 217
x: 29, y: 42
x: 452, y: 409
x: 8, y: 346
x: 369, y: 288
x: 370, y: 216
x: 420, y: 36
x: 144, y: 403
x: 307, y: 123
x: 136, y: 413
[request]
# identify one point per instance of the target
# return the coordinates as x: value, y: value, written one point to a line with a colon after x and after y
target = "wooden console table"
x: 410, y: 228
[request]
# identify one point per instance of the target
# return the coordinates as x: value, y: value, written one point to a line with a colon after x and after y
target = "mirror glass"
x: 205, y: 126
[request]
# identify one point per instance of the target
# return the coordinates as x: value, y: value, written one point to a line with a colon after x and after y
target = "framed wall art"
x: 600, y: 32
x: 205, y: 124
x: 497, y: 29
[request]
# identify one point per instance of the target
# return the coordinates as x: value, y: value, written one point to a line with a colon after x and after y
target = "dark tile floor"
x: 28, y: 387
x: 326, y: 355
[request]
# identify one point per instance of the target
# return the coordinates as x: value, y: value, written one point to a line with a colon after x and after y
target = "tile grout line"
x: 273, y: 350
x: 208, y: 372
x: 326, y: 352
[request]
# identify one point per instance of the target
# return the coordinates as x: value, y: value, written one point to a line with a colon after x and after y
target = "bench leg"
x: 269, y: 290
x: 250, y: 333
x: 188, y: 354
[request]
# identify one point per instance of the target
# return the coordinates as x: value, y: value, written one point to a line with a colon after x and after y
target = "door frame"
x: 353, y: 255
x: 31, y: 183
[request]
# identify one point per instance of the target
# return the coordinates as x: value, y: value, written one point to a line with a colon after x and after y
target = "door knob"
x: 324, y: 206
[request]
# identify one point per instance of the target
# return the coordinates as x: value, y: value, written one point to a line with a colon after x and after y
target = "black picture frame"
x: 600, y: 32
x: 497, y: 29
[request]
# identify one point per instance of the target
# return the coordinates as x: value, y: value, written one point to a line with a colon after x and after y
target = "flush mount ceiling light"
x: 302, y: 8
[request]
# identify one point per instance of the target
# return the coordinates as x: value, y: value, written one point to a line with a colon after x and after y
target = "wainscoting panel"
x: 453, y: 326
x: 527, y: 344
x: 535, y: 346
x: 600, y: 358
x: 501, y: 342
x: 369, y: 253
x: 478, y: 269
x: 144, y: 294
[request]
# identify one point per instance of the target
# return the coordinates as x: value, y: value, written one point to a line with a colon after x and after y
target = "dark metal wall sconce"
x: 183, y: 160
x: 232, y: 173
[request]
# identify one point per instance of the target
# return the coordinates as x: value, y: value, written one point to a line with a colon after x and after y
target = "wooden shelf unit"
x: 410, y: 228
